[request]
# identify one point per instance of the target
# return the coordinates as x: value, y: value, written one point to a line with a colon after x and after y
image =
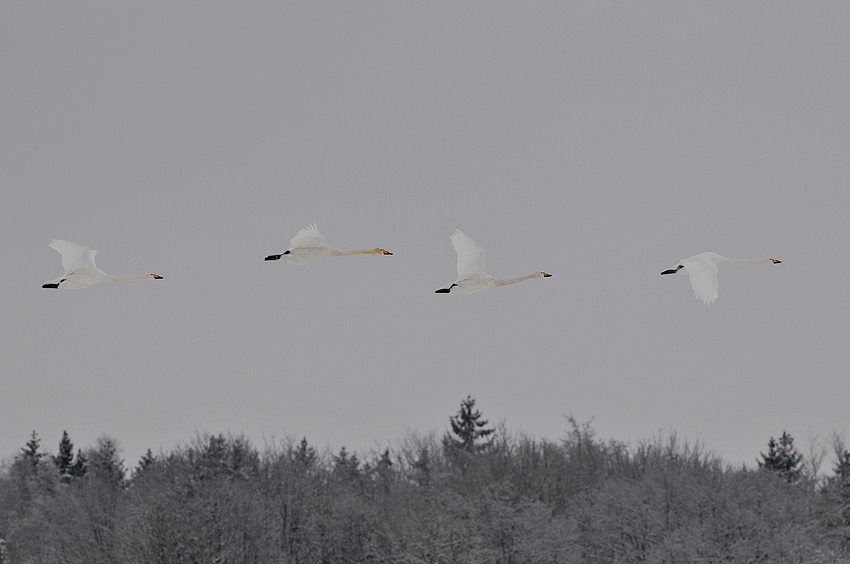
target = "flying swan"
x: 472, y: 277
x: 80, y: 270
x: 309, y: 246
x: 702, y: 269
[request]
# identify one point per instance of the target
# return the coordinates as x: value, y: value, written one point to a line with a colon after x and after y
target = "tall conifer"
x: 468, y: 427
x: 65, y: 458
x: 782, y: 458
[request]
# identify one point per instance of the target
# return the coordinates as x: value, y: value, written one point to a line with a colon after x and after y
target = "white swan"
x: 702, y: 269
x: 309, y: 246
x: 80, y: 270
x: 472, y: 277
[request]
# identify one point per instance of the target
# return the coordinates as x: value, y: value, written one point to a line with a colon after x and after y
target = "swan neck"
x: 344, y: 253
x: 514, y: 280
x: 724, y: 260
x: 111, y: 278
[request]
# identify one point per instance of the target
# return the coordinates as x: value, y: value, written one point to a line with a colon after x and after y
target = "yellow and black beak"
x: 546, y: 275
x: 776, y: 261
x: 156, y: 276
x: 386, y: 252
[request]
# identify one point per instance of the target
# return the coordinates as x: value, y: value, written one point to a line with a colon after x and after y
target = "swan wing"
x: 307, y: 237
x: 703, y: 275
x: 74, y: 257
x: 470, y: 257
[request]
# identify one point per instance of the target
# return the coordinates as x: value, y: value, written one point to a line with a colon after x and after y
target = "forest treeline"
x: 474, y: 495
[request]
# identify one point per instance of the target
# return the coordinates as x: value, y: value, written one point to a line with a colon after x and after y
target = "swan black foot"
x: 673, y: 270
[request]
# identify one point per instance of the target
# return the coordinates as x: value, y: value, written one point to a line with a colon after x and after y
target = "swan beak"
x: 776, y: 261
x: 386, y: 252
x: 546, y: 275
x: 156, y: 276
x: 673, y: 270
x: 273, y: 257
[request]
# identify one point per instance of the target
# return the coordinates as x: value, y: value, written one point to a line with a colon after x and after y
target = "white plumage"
x: 80, y: 269
x: 472, y: 277
x: 309, y: 246
x: 702, y: 270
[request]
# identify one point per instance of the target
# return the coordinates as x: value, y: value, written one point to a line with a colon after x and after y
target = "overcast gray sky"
x: 601, y: 142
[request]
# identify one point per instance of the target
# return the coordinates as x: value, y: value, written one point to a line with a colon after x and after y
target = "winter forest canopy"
x: 475, y: 494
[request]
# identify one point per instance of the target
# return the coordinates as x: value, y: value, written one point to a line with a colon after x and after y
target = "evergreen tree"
x: 305, y: 455
x: 30, y: 452
x: 423, y: 466
x: 782, y: 458
x: 78, y: 469
x: 65, y: 458
x: 384, y: 471
x: 842, y: 483
x: 145, y: 462
x: 468, y: 427
x: 105, y: 463
x: 842, y: 467
x: 346, y: 467
x: 384, y: 464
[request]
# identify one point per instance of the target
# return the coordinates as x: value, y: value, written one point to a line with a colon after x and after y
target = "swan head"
x: 381, y: 252
x: 774, y: 261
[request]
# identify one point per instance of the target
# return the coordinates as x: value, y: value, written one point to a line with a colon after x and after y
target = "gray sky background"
x: 601, y: 142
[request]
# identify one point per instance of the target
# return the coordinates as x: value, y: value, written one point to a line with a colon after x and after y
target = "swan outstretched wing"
x: 74, y: 257
x: 703, y: 276
x: 307, y: 237
x: 470, y: 257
